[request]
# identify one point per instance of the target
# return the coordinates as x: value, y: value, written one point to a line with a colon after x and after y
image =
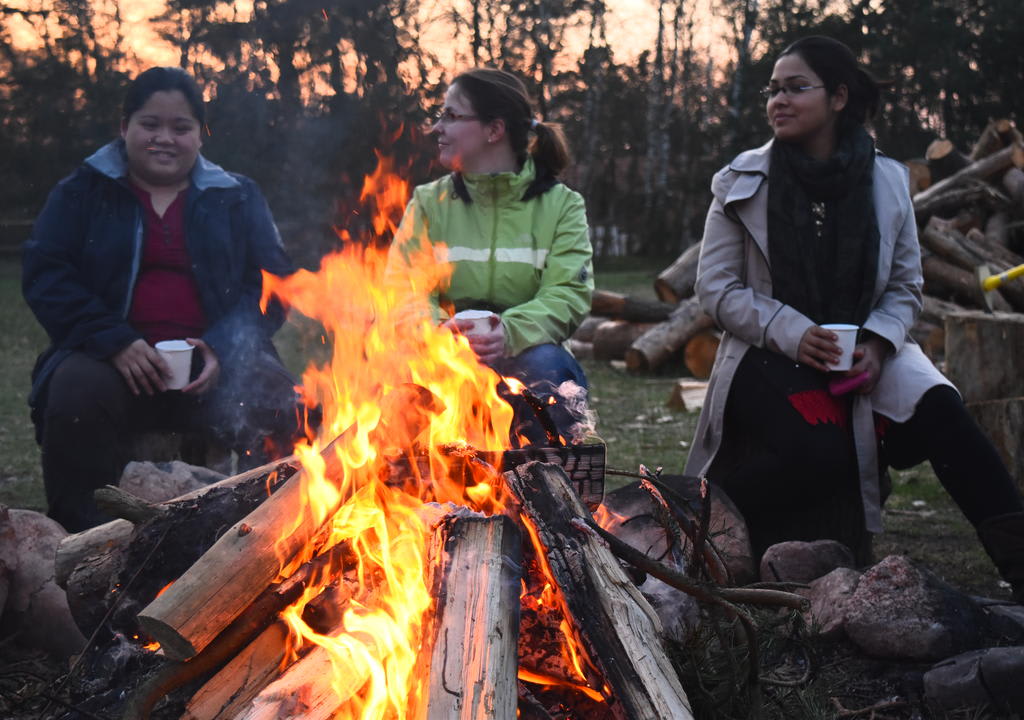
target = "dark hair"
x: 836, y: 65
x: 163, y: 78
x: 495, y: 94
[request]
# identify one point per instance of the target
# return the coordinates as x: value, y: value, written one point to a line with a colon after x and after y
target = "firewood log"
x: 996, y: 135
x: 944, y: 159
x: 1013, y: 183
x: 970, y: 192
x: 614, y: 337
x: 996, y: 228
x: 934, y: 310
x: 943, y: 279
x: 699, y: 353
x: 620, y: 632
x: 470, y: 654
x: 939, y: 237
x: 229, y: 576
x: 625, y: 307
x: 656, y: 345
x: 931, y: 337
x: 1003, y: 422
x: 998, y: 259
x: 688, y: 395
x: 581, y: 350
x: 984, y: 354
x: 585, y: 332
x: 969, y: 218
x: 675, y: 283
x: 920, y: 175
x: 983, y: 169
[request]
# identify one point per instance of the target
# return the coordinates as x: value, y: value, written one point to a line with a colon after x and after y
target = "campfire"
x: 405, y: 562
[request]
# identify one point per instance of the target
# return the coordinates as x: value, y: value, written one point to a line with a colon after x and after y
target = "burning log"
x: 655, y: 346
x: 675, y: 283
x: 232, y: 573
x: 619, y: 630
x: 471, y: 651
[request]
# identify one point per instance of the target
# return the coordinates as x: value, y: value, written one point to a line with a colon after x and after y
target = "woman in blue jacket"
x: 149, y: 241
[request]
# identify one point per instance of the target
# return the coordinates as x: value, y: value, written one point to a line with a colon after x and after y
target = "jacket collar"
x: 110, y: 160
x: 500, y: 186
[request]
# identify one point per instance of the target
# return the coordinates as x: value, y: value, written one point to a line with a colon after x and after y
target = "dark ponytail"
x: 836, y: 65
x: 496, y: 94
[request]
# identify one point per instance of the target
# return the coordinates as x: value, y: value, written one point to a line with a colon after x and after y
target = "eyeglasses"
x: 447, y: 116
x: 790, y: 90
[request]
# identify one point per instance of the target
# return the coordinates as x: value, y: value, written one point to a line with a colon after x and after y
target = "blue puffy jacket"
x: 82, y: 260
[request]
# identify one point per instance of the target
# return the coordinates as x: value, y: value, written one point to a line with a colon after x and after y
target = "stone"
x: 829, y: 596
x: 1005, y: 619
x: 162, y: 481
x: 990, y: 677
x: 901, y: 612
x: 36, y: 611
x: 801, y: 562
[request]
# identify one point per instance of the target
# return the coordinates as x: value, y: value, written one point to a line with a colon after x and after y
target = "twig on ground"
x: 842, y: 712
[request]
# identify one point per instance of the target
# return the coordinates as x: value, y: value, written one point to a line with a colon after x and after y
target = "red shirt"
x: 165, y: 304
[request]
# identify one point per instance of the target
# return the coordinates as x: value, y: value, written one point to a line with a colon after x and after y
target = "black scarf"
x: 822, y: 230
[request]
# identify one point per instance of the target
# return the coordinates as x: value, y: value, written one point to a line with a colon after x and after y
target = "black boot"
x: 1003, y: 538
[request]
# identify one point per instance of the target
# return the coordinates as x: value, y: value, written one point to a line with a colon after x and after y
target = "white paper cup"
x: 481, y: 320
x: 847, y: 341
x: 178, y: 355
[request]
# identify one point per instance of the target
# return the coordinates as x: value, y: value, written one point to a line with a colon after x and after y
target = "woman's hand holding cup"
x: 483, y: 330
x: 819, y: 349
x: 142, y: 368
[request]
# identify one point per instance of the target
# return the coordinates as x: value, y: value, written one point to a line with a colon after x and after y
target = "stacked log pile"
x: 969, y: 211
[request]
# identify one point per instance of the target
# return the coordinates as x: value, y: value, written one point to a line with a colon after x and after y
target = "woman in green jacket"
x: 517, y: 239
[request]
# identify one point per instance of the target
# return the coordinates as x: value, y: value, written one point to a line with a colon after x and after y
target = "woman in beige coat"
x: 813, y: 228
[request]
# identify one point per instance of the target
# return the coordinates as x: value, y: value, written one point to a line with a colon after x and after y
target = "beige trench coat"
x: 734, y: 286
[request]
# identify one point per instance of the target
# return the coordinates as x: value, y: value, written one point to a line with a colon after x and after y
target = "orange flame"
x: 409, y: 403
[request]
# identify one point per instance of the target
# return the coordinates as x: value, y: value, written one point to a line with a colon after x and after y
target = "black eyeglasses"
x: 790, y: 90
x: 446, y: 116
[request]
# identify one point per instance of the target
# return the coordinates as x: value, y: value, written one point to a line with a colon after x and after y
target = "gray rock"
x: 829, y: 596
x: 991, y: 677
x: 802, y: 562
x: 1005, y: 618
x: 36, y: 610
x: 158, y: 482
x: 902, y: 612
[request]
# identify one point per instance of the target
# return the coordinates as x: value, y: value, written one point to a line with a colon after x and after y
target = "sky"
x: 631, y: 27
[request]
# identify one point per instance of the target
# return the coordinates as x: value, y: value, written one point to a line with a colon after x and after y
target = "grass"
x: 632, y: 418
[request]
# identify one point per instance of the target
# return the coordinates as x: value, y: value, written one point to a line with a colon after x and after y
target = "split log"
x: 471, y: 656
x: 1003, y: 422
x: 699, y: 353
x: 984, y: 354
x: 614, y: 337
x: 943, y: 279
x: 920, y: 175
x: 619, y: 631
x: 235, y: 685
x: 585, y: 332
x: 625, y: 307
x: 944, y: 159
x: 675, y: 283
x: 934, y: 310
x: 688, y: 395
x: 655, y: 346
x: 996, y: 135
x: 983, y: 169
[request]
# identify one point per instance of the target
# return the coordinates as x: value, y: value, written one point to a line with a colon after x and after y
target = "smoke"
x: 573, y: 399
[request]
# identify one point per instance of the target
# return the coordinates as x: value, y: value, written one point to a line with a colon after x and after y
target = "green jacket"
x: 528, y: 261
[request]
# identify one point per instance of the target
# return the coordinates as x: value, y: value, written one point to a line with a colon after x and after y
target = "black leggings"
x: 794, y: 480
x: 968, y: 466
